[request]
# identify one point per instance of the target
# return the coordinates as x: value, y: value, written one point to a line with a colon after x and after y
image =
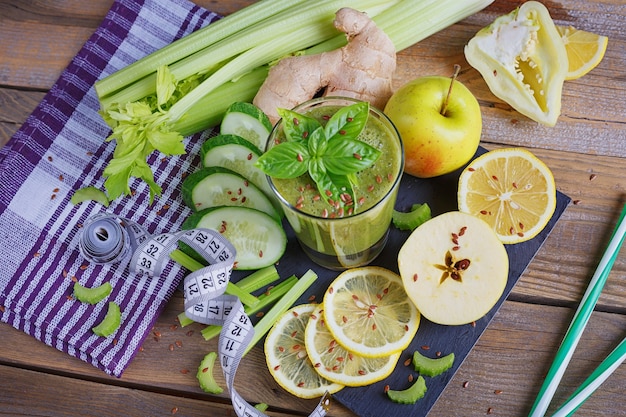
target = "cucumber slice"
x: 92, y: 295
x: 432, y: 366
x: 217, y: 186
x: 258, y: 238
x: 248, y: 121
x: 237, y: 154
x: 409, y: 395
x: 205, y: 374
x: 111, y: 321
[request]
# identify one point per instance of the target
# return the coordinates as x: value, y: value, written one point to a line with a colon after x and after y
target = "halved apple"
x: 454, y: 268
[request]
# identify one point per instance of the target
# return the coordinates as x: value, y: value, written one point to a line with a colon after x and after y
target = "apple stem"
x: 457, y: 68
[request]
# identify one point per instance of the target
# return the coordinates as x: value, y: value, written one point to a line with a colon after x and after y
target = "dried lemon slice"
x: 337, y: 364
x: 584, y: 50
x: 510, y: 189
x: 368, y: 312
x: 287, y: 359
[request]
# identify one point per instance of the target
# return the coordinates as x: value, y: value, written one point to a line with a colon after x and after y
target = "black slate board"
x: 440, y: 194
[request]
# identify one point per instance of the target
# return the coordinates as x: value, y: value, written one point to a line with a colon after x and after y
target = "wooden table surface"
x: 586, y: 151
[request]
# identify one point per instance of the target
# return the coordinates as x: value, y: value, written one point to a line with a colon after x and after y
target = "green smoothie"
x: 340, y: 235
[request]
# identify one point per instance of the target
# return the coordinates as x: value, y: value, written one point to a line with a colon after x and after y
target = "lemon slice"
x: 510, y: 189
x: 287, y: 358
x: 368, y: 312
x: 339, y: 365
x: 584, y: 50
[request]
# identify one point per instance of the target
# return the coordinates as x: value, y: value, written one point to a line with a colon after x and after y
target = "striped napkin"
x: 59, y: 149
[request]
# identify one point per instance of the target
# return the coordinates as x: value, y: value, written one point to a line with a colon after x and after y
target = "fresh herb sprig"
x: 331, y: 154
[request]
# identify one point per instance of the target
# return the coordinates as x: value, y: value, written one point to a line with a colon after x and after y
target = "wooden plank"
x: 515, y: 351
x: 32, y: 393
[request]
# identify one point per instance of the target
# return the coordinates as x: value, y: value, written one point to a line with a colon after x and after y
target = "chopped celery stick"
x: 184, y: 320
x: 258, y: 279
x: 268, y: 320
x: 418, y: 214
x: 193, y: 265
x: 265, y: 300
x: 205, y: 374
x: 409, y: 395
x: 262, y: 407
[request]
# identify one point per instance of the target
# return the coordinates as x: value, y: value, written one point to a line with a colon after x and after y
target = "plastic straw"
x: 602, y: 372
x: 581, y: 317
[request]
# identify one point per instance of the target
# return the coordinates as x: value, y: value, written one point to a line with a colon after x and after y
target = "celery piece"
x: 90, y: 193
x: 409, y: 395
x: 265, y: 300
x: 191, y: 264
x: 282, y: 305
x: 432, y: 366
x: 205, y: 374
x: 419, y: 214
x: 262, y: 407
x: 92, y: 295
x: 183, y: 320
x: 110, y: 322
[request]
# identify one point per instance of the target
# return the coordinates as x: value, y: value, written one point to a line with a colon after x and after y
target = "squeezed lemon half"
x: 584, y: 49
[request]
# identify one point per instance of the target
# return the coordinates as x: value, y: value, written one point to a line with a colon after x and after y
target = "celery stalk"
x: 265, y: 300
x: 267, y: 34
x: 191, y: 264
x: 411, y: 21
x: 268, y: 320
x: 310, y: 25
x: 192, y: 43
x: 140, y: 128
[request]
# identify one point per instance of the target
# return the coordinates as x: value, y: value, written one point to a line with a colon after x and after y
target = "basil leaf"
x: 297, y: 127
x: 317, y: 143
x: 330, y: 186
x: 345, y: 156
x: 285, y: 160
x: 348, y: 122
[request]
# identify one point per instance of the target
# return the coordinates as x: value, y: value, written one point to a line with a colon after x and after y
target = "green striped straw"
x: 581, y: 317
x: 602, y: 372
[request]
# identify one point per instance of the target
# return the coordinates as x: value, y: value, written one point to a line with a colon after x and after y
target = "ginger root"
x: 362, y: 69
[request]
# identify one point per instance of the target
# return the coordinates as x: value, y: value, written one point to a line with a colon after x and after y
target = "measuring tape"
x: 107, y: 238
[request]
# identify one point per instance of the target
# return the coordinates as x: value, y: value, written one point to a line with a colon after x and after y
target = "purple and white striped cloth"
x: 59, y: 149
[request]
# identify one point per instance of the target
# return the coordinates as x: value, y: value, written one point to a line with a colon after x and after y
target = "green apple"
x: 440, y: 123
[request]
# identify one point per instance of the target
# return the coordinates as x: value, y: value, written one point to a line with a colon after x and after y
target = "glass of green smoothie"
x: 341, y: 206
